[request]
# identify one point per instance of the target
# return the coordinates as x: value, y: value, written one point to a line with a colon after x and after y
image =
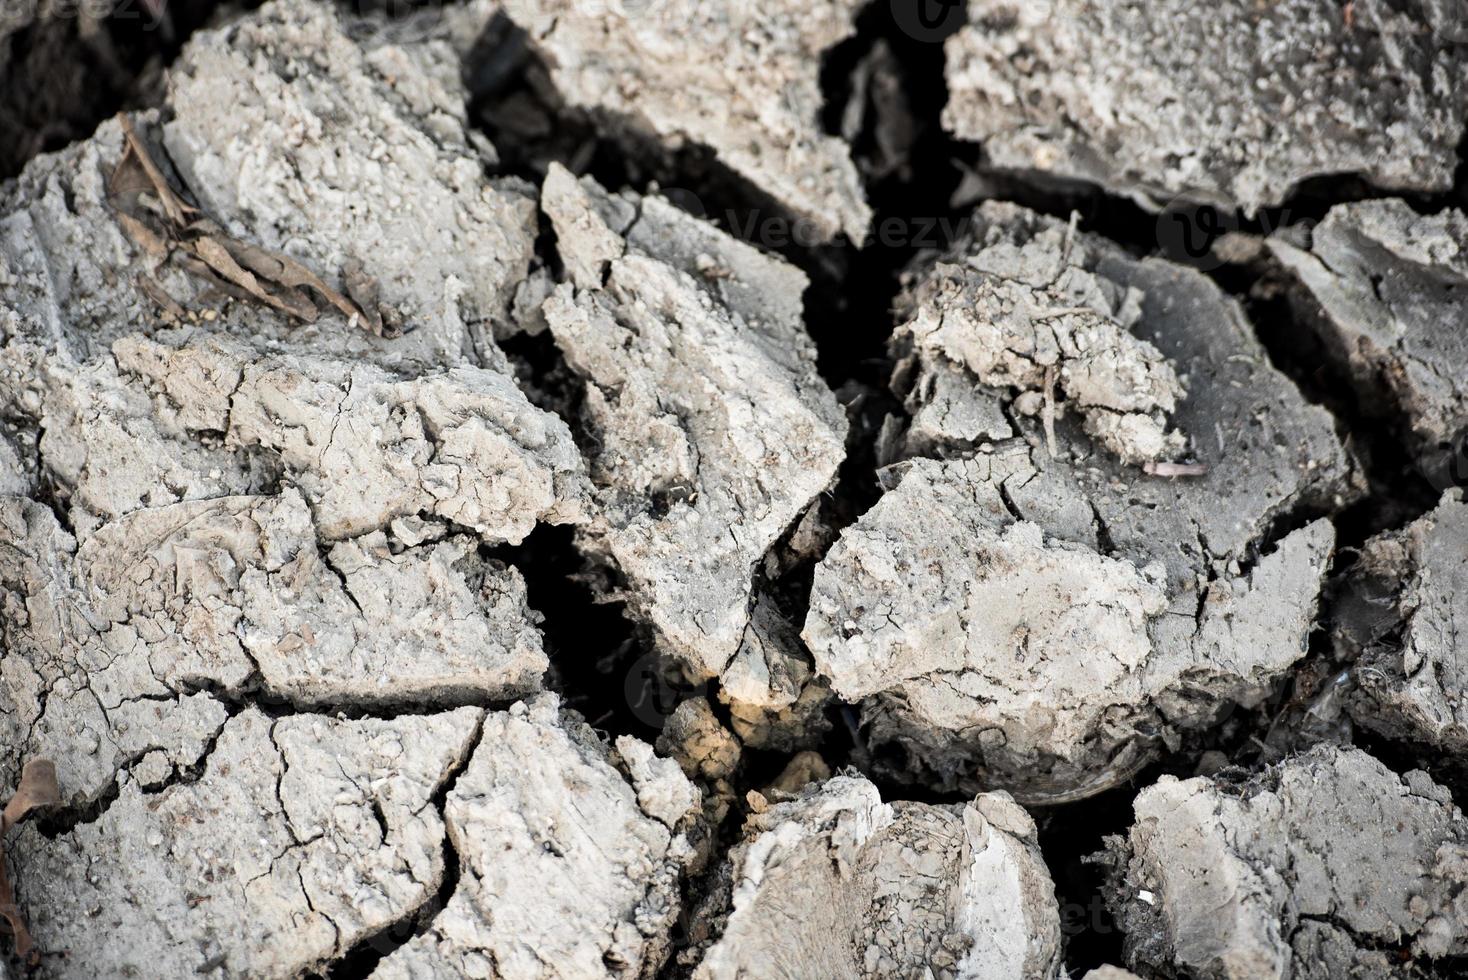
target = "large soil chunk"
x: 838, y: 883
x: 566, y: 868
x: 742, y: 79
x: 301, y: 837
x: 990, y: 645
x: 78, y: 688
x: 348, y: 158
x: 105, y: 448
x: 1028, y: 609
x: 370, y: 161
x: 1326, y: 865
x: 361, y: 621
x: 297, y: 138
x: 1387, y: 288
x: 1233, y: 102
x: 713, y: 430
x: 1404, y: 620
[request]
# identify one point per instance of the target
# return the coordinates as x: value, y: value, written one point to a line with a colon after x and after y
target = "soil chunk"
x: 1230, y: 103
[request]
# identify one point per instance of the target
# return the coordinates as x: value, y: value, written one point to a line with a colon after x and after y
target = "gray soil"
x: 667, y: 489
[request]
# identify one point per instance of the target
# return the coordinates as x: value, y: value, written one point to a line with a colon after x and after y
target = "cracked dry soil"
x: 702, y: 489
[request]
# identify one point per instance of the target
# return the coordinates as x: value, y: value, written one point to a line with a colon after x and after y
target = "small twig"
x: 152, y: 289
x: 1164, y: 468
x: 1047, y: 413
x: 1070, y: 234
x: 173, y: 206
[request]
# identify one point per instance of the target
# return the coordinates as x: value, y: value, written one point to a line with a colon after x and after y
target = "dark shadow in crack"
x: 600, y: 662
x: 66, y: 72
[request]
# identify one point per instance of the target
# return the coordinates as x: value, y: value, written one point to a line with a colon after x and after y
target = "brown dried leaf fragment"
x: 291, y: 274
x: 37, y: 788
x: 143, y: 199
x: 214, y: 254
x: 143, y: 236
x: 152, y: 289
x: 363, y: 291
x: 174, y: 209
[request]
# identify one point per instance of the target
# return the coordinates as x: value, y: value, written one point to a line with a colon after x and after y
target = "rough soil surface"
x: 300, y: 837
x: 1387, y: 289
x: 1175, y: 99
x: 1024, y: 305
x: 128, y: 649
x: 712, y: 430
x: 1326, y: 865
x: 882, y: 890
x: 1405, y: 628
x: 451, y: 525
x: 568, y: 867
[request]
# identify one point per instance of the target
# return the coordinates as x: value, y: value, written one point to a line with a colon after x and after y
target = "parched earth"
x: 571, y: 489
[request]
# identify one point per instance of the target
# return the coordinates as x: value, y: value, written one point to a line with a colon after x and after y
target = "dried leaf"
x: 218, y: 258
x: 362, y: 288
x: 173, y: 206
x: 199, y: 270
x: 11, y: 913
x: 142, y: 236
x: 129, y: 179
x: 291, y: 274
x: 143, y: 199
x: 37, y: 788
x: 154, y: 291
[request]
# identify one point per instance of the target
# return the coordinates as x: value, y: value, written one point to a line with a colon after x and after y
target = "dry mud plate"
x: 734, y: 490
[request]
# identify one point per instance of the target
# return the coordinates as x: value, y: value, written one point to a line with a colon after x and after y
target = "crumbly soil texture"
x: 698, y: 490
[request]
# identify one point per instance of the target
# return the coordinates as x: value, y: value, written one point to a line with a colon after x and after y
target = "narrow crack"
x: 363, y: 958
x: 65, y: 820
